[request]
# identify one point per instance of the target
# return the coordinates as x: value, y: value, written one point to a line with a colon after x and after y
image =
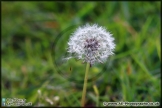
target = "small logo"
x: 3, y: 101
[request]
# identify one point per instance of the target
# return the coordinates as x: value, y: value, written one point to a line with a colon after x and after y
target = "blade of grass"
x: 142, y: 66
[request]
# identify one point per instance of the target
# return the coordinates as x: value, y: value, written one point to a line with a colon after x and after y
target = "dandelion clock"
x: 91, y: 44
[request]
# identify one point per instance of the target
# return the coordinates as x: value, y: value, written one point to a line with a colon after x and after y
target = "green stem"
x: 85, y: 85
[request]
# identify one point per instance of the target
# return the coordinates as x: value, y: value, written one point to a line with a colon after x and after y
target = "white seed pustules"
x: 91, y: 44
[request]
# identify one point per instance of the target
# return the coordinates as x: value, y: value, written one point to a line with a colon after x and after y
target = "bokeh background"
x: 33, y: 47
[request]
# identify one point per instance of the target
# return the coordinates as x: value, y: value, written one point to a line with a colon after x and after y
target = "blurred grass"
x: 30, y: 63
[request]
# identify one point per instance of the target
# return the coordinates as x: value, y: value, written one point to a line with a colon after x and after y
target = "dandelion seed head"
x: 91, y: 43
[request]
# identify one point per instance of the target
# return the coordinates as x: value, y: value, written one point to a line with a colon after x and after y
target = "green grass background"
x: 34, y: 41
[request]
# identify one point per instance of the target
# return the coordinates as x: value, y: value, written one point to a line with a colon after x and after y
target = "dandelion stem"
x: 85, y: 85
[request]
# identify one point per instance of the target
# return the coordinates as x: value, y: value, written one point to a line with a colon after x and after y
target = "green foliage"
x: 34, y: 41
